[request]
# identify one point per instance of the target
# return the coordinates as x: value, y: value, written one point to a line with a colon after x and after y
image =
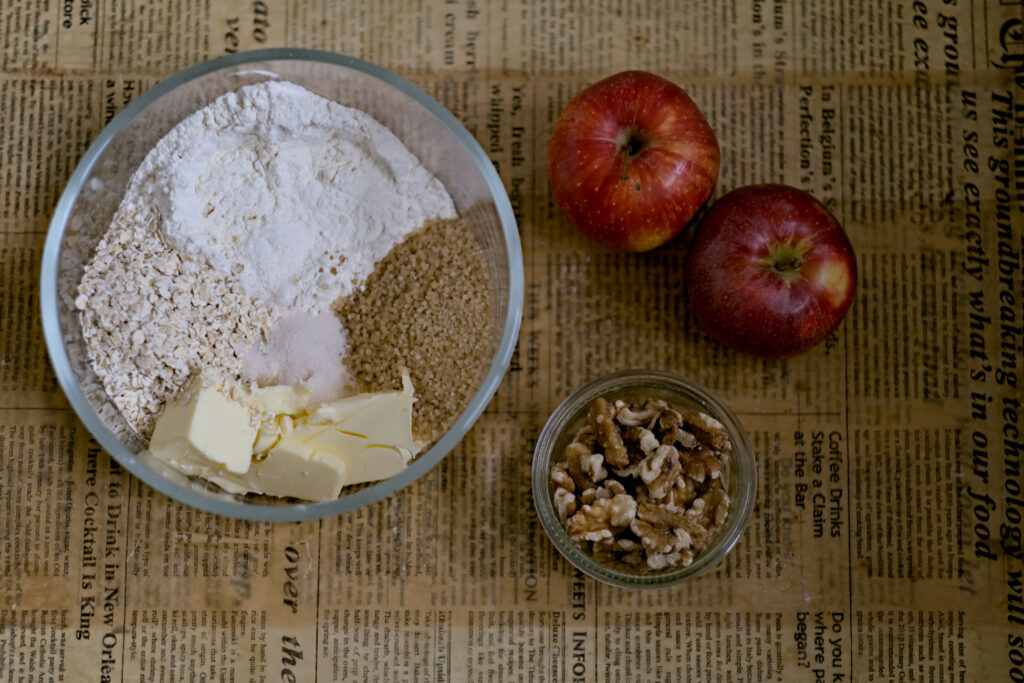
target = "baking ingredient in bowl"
x: 272, y: 440
x: 643, y: 485
x: 301, y: 347
x: 294, y: 194
x: 427, y: 307
x: 205, y: 428
x: 268, y: 203
x: 151, y: 316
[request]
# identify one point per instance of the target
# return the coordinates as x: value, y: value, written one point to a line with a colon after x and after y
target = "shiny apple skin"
x: 744, y: 285
x: 669, y: 173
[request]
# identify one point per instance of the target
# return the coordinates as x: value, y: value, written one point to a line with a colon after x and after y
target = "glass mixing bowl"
x: 636, y: 385
x: 96, y: 187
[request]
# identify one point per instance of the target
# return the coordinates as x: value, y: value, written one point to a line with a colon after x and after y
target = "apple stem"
x: 633, y: 145
x: 785, y: 260
x: 792, y: 264
x: 629, y: 146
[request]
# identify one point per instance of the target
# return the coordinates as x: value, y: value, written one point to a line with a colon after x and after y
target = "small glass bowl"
x: 571, y: 414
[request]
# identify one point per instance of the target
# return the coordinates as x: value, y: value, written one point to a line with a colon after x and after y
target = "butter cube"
x: 329, y: 413
x: 207, y: 425
x: 371, y: 433
x: 233, y: 483
x: 217, y: 427
x: 304, y: 432
x: 364, y: 461
x: 378, y: 462
x: 384, y: 418
x: 297, y: 470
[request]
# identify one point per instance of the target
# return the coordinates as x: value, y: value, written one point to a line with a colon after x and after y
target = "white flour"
x: 295, y: 195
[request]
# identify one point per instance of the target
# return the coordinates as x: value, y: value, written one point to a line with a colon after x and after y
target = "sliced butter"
x: 297, y: 470
x: 364, y: 460
x: 286, y: 399
x: 205, y: 432
x: 384, y: 418
x: 371, y: 433
x: 210, y: 433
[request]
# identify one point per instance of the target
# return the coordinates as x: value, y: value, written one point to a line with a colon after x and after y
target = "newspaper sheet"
x: 886, y: 542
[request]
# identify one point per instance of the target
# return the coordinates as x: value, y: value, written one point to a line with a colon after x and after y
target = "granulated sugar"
x: 302, y: 349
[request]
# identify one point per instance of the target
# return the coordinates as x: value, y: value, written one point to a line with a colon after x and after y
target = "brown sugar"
x: 427, y: 307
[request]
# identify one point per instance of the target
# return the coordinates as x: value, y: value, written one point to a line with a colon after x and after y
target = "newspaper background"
x: 886, y: 544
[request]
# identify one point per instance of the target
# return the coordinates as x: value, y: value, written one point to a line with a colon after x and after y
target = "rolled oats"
x: 151, y: 317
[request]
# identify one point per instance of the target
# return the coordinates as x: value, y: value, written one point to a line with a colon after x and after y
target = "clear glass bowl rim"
x: 53, y: 333
x: 744, y: 466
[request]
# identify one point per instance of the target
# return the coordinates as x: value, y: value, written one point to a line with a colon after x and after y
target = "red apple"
x: 770, y: 271
x: 631, y: 160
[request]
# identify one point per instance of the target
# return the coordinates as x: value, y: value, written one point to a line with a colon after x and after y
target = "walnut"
x: 706, y: 513
x: 708, y: 430
x: 680, y: 495
x: 605, y: 554
x: 660, y: 539
x: 630, y: 417
x: 595, y: 522
x: 696, y: 529
x: 662, y: 560
x: 682, y: 558
x: 716, y: 506
x: 664, y: 530
x: 620, y: 552
x: 660, y: 470
x: 619, y: 544
x: 640, y: 442
x: 623, y: 510
x: 602, y: 418
x: 697, y: 507
x: 565, y: 503
x: 615, y: 557
x: 661, y: 515
x: 642, y: 486
x: 673, y: 431
x: 593, y: 467
x: 664, y: 482
x: 574, y: 454
x: 712, y: 465
x: 657, y: 462
x: 587, y: 437
x: 648, y: 442
x: 615, y: 486
x: 631, y: 436
x: 701, y: 465
x: 588, y: 524
x: 631, y: 472
x: 669, y: 419
x: 561, y: 478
